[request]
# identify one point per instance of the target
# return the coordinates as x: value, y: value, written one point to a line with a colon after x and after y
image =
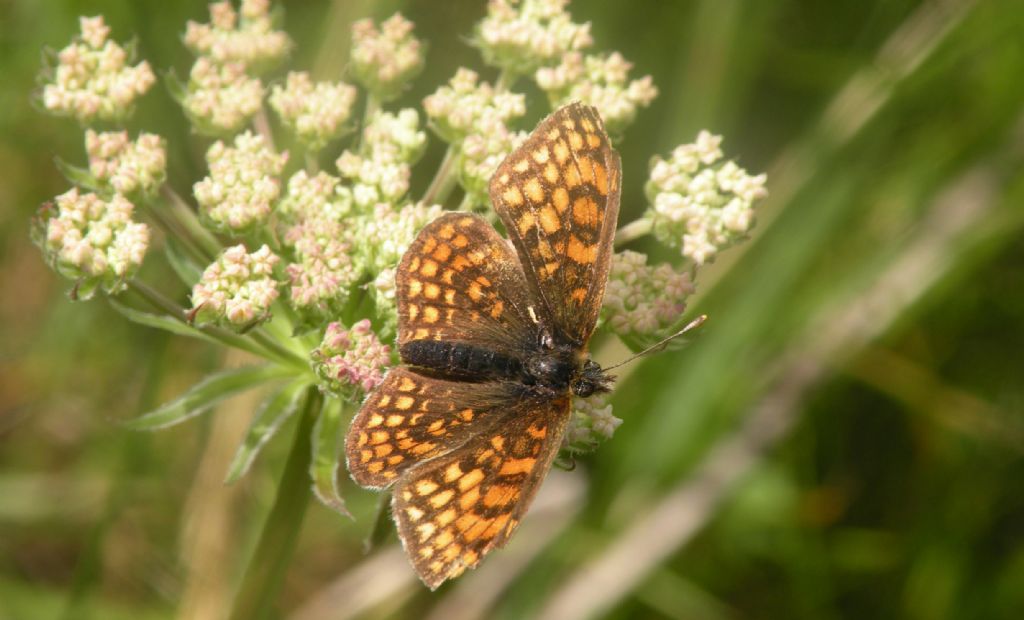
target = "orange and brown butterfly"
x: 493, y: 340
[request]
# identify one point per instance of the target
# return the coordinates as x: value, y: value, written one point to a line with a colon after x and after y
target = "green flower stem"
x: 261, y: 122
x: 280, y: 351
x: 172, y: 227
x: 505, y: 81
x: 372, y: 106
x: 199, y: 235
x: 269, y: 561
x: 633, y: 231
x: 444, y: 181
x: 312, y: 165
x: 251, y: 344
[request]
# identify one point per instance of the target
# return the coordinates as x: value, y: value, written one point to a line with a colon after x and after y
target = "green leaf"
x: 185, y: 268
x: 328, y: 442
x: 77, y: 176
x: 162, y: 322
x: 271, y: 415
x: 207, y: 393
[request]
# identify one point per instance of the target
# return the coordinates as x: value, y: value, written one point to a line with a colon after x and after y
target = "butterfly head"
x: 591, y: 379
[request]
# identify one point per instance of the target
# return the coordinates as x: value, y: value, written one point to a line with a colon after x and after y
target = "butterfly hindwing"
x: 558, y: 196
x: 411, y: 418
x: 454, y: 509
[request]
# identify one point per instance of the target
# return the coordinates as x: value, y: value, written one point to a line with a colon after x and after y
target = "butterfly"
x: 492, y: 334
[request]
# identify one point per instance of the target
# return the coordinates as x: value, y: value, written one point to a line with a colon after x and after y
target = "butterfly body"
x: 550, y: 370
x: 493, y: 340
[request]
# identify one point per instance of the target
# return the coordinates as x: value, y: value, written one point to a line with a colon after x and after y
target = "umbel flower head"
x: 379, y: 172
x: 128, y: 168
x: 699, y: 205
x: 350, y: 362
x: 242, y: 186
x: 236, y: 290
x: 592, y: 422
x: 220, y: 98
x: 522, y: 35
x: 385, y: 60
x: 643, y: 300
x: 601, y: 81
x: 314, y: 113
x: 247, y: 37
x: 93, y: 80
x: 91, y: 240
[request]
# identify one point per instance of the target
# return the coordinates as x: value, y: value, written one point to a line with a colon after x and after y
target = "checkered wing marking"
x: 411, y: 418
x: 558, y: 196
x: 461, y: 281
x: 453, y: 510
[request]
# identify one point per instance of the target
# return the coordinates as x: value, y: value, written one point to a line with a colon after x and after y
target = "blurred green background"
x: 843, y: 439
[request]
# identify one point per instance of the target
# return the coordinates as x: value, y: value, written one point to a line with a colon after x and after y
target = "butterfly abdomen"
x: 461, y: 359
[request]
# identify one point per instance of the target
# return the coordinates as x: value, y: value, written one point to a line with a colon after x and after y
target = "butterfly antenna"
x: 697, y: 322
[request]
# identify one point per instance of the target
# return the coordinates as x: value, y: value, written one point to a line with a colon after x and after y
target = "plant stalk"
x: 269, y: 562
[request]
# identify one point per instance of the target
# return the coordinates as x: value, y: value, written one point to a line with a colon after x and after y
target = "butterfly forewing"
x: 460, y: 281
x: 558, y: 196
x: 454, y: 509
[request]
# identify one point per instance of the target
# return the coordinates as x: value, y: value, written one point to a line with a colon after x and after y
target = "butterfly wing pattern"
x: 558, y: 196
x: 492, y: 337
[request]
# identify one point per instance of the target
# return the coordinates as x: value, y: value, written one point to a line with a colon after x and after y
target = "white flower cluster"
x: 699, y: 205
x: 474, y: 116
x: 129, y: 168
x: 320, y: 196
x: 467, y: 106
x: 92, y: 240
x: 315, y: 113
x: 250, y: 40
x: 522, y: 35
x: 380, y: 171
x: 323, y: 271
x: 237, y: 289
x: 242, y: 185
x: 642, y: 300
x: 385, y: 60
x: 92, y: 80
x: 592, y: 422
x: 221, y: 98
x: 601, y: 82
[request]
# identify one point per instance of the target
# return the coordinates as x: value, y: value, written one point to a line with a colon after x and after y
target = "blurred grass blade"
x: 186, y: 269
x: 167, y: 323
x: 207, y: 393
x: 328, y: 439
x: 272, y: 414
x: 381, y: 530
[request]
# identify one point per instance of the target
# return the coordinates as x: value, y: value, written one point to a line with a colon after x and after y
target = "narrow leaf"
x: 328, y: 441
x: 271, y: 415
x: 207, y: 393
